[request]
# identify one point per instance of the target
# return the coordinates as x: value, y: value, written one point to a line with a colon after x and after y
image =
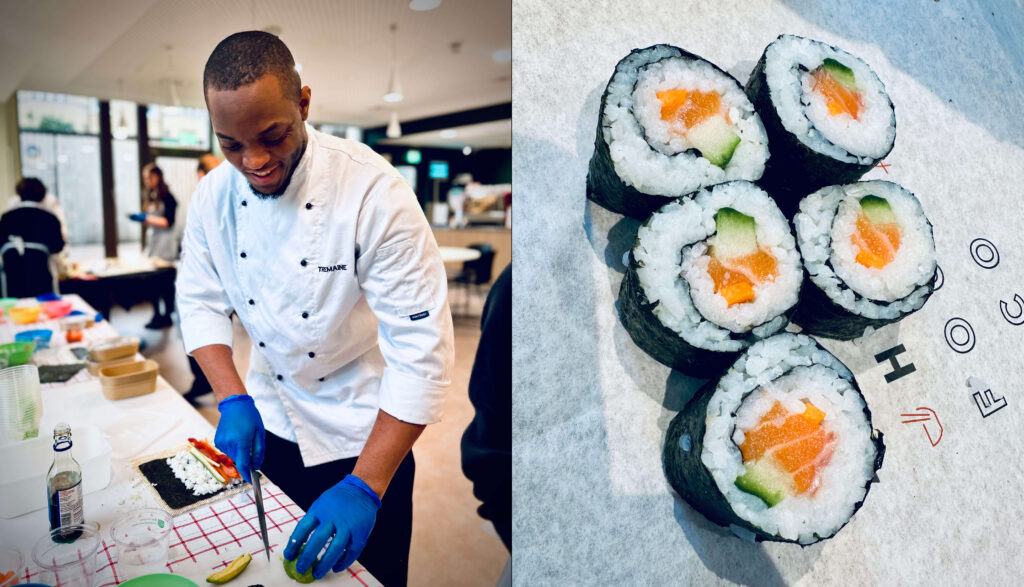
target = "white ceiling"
x: 486, y: 135
x: 86, y: 46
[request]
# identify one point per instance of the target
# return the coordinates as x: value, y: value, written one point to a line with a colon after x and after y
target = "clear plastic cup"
x: 11, y: 560
x: 142, y: 538
x: 21, y: 405
x: 67, y: 556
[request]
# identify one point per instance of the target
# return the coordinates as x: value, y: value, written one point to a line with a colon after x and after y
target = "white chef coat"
x: 340, y: 285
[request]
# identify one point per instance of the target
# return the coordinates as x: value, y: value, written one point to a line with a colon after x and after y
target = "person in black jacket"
x: 487, y: 442
x: 29, y: 234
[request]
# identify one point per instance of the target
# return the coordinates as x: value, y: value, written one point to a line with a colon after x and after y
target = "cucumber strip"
x: 208, y: 464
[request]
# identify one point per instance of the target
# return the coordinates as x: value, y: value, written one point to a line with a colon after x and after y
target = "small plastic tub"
x: 129, y: 380
x: 25, y: 315
x: 13, y: 354
x: 76, y: 322
x: 11, y: 561
x: 40, y: 337
x: 67, y: 555
x: 114, y: 348
x: 57, y: 309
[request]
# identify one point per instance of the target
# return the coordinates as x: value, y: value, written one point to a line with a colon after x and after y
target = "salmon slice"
x: 838, y: 98
x: 689, y: 107
x: 795, y: 443
x: 735, y: 278
x: 877, y: 243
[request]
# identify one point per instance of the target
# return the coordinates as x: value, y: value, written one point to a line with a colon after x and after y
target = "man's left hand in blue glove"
x: 344, y: 514
x: 137, y: 217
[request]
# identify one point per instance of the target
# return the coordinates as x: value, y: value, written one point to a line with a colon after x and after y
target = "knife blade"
x: 258, y: 498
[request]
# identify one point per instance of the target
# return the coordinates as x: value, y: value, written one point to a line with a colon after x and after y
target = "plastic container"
x: 94, y: 367
x: 68, y: 563
x: 13, y: 354
x: 129, y: 380
x: 8, y: 303
x: 57, y: 309
x: 21, y: 405
x: 11, y: 560
x: 23, y: 484
x: 25, y: 315
x: 141, y: 536
x: 114, y: 348
x: 76, y: 322
x: 41, y: 337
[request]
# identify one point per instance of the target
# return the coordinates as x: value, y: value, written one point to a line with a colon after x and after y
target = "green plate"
x: 159, y: 580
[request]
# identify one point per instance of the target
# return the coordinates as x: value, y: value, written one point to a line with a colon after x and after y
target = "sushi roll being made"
x: 708, y: 276
x: 827, y: 115
x: 780, y: 448
x: 869, y: 255
x: 671, y: 123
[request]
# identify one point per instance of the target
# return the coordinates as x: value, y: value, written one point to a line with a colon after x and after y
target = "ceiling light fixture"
x: 502, y: 55
x: 394, y: 130
x: 298, y: 67
x: 448, y: 133
x: 421, y: 5
x: 394, y: 86
x: 467, y: 150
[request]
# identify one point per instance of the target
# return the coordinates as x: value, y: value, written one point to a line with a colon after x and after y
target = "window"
x: 175, y: 127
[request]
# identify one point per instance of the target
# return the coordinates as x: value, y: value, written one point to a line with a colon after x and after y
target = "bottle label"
x: 69, y: 504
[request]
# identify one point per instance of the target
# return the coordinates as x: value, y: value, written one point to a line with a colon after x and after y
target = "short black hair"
x: 245, y: 57
x: 31, y: 189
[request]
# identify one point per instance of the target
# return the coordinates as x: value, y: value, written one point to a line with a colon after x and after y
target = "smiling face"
x: 261, y: 131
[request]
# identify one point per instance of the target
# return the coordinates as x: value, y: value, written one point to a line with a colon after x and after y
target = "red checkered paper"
x: 207, y: 539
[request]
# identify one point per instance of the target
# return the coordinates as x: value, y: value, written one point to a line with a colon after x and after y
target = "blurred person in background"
x: 29, y: 235
x: 157, y: 218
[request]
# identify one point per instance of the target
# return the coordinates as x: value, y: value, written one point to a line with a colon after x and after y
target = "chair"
x: 476, y: 274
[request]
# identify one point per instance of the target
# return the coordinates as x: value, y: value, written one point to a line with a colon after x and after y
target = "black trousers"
x: 386, y: 555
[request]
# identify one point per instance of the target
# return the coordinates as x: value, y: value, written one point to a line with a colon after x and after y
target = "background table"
x: 590, y: 502
x: 458, y: 254
x: 105, y: 282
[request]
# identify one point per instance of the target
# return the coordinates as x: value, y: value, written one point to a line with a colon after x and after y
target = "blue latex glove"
x: 347, y: 512
x: 240, y: 433
x: 137, y: 217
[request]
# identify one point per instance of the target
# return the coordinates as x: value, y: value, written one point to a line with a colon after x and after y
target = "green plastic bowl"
x: 13, y: 354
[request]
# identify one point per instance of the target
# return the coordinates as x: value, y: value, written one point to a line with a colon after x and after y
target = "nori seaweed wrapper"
x: 694, y: 482
x: 171, y: 489
x: 794, y: 169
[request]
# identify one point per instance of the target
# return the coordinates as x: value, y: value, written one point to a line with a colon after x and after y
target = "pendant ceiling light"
x: 394, y: 130
x: 394, y: 86
x: 421, y: 5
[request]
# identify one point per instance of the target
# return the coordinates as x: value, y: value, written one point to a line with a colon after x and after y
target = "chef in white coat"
x: 322, y: 250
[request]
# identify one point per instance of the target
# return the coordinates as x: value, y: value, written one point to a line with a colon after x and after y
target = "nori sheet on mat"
x: 171, y: 489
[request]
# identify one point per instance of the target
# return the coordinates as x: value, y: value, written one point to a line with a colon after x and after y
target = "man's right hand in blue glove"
x: 137, y: 217
x: 240, y: 433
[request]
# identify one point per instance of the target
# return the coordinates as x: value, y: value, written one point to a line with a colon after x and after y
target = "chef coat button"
x: 305, y: 315
x: 243, y: 254
x: 262, y: 344
x: 321, y: 379
x: 245, y: 203
x: 311, y: 354
x: 280, y: 377
x: 309, y: 206
x: 303, y: 263
x: 252, y: 303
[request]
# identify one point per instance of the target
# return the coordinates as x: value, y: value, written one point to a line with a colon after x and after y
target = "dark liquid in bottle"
x: 61, y: 481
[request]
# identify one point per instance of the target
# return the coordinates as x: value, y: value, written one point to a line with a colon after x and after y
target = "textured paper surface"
x: 590, y: 502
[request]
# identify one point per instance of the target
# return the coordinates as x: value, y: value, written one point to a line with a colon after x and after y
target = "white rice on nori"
x: 789, y: 368
x: 194, y: 474
x: 823, y: 227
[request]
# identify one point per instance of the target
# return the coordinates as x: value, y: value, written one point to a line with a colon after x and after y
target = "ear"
x: 304, y: 98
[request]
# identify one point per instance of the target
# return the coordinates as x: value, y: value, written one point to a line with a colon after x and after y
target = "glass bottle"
x: 64, y: 483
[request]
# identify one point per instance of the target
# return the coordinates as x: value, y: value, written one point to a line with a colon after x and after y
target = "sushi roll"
x: 671, y: 123
x: 708, y: 276
x: 827, y: 115
x: 780, y: 448
x: 869, y: 255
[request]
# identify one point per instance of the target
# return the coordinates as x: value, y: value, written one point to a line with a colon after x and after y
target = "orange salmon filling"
x: 688, y: 107
x: 798, y: 444
x: 735, y: 278
x: 839, y: 99
x: 877, y: 243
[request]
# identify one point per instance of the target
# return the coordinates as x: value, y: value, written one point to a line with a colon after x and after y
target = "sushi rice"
x: 196, y: 477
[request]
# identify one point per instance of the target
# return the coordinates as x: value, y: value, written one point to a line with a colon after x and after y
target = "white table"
x: 458, y: 254
x: 80, y: 403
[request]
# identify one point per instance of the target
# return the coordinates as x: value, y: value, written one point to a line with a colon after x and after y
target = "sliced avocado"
x: 735, y: 236
x: 843, y: 74
x: 231, y: 571
x: 877, y: 210
x: 290, y: 570
x: 764, y: 480
x: 715, y: 140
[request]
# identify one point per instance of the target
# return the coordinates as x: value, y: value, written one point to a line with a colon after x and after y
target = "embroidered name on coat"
x: 330, y: 268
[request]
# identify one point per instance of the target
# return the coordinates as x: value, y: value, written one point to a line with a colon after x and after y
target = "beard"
x: 287, y: 180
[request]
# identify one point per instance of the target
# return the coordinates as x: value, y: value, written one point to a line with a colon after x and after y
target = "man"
x: 29, y: 235
x: 322, y: 250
